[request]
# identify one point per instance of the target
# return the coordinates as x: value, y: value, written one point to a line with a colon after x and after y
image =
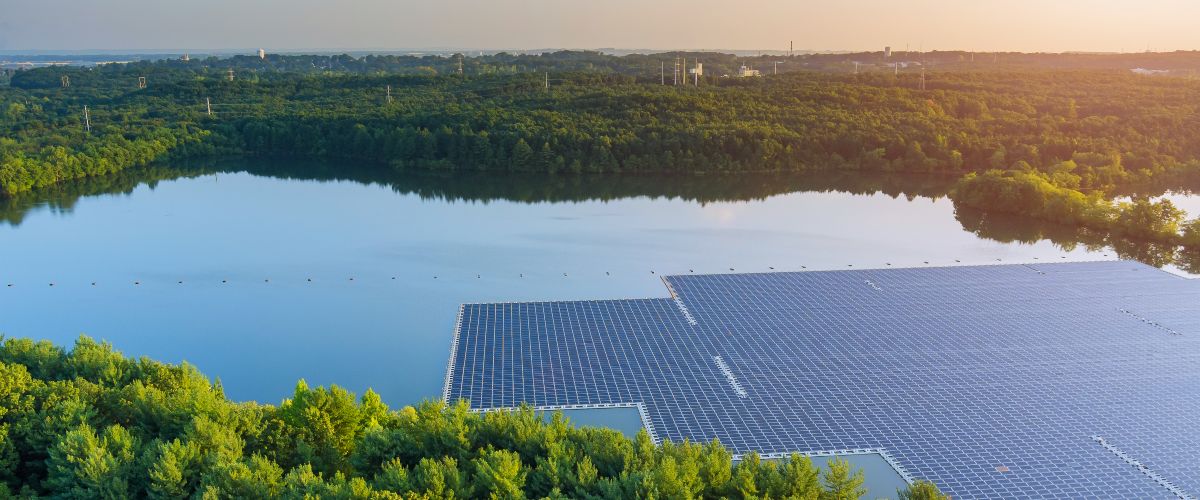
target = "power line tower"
x: 389, y: 94
x: 141, y: 82
x: 87, y: 119
x: 460, y: 64
x: 229, y: 75
x: 66, y: 81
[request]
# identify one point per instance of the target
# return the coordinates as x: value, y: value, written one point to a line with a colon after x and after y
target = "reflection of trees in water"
x: 549, y: 188
x: 1007, y: 228
x: 486, y: 187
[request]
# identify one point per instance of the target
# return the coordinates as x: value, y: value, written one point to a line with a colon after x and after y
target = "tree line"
x: 92, y: 423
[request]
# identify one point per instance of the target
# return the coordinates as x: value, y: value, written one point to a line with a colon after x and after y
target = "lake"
x: 264, y: 272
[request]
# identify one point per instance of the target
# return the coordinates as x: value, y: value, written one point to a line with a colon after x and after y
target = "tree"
x: 498, y: 474
x: 921, y: 490
x: 83, y: 465
x: 522, y: 156
x: 842, y: 482
x: 800, y: 478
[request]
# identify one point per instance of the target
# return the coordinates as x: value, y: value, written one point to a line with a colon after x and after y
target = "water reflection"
x: 523, y: 188
x: 1007, y: 228
x: 487, y: 187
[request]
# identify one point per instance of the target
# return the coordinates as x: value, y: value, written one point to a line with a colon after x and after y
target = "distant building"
x: 262, y: 54
x: 887, y: 51
x: 698, y: 70
x: 745, y: 72
x: 185, y: 58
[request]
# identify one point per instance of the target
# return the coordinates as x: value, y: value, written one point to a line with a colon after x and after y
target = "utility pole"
x: 776, y: 67
x: 791, y: 49
x: 922, y: 77
x: 696, y: 74
x: 856, y: 67
x: 547, y: 81
x: 208, y: 104
x: 87, y: 119
x: 675, y: 78
x: 460, y: 64
x: 662, y: 72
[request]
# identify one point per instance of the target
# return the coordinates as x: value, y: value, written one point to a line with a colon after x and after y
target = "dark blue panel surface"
x: 1040, y: 380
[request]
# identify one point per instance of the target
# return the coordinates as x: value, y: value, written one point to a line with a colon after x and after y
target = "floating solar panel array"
x: 1050, y: 380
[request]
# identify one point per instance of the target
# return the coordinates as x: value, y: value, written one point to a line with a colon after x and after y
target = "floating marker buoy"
x: 10, y: 284
x: 731, y: 269
x: 564, y: 274
x: 803, y: 267
x: 956, y: 260
x: 310, y: 280
x: 435, y: 277
x: 691, y: 270
x: 926, y: 262
x: 351, y: 279
x: 522, y: 275
x: 180, y: 282
x: 52, y: 284
x: 771, y: 268
x: 137, y: 282
x: 393, y: 277
x: 889, y: 263
x: 93, y: 283
x: 478, y: 276
x: 606, y: 273
x: 223, y: 281
x: 266, y: 281
x: 651, y: 272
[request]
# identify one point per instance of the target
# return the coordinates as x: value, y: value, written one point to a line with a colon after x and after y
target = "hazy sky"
x: 1026, y: 25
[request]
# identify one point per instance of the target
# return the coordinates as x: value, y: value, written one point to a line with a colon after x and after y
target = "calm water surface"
x: 390, y: 259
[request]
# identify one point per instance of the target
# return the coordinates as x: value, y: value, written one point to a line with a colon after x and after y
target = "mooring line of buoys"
x: 521, y: 275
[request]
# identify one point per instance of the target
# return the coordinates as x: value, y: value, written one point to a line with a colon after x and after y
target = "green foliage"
x: 842, y: 482
x: 1038, y: 195
x: 90, y: 423
x: 921, y: 490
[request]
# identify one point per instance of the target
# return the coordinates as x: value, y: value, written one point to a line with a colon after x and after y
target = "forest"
x: 1053, y: 144
x: 92, y: 423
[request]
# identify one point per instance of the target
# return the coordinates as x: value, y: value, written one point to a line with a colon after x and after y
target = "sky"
x: 282, y: 25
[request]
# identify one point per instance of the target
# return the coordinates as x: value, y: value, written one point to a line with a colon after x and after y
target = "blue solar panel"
x: 1042, y: 380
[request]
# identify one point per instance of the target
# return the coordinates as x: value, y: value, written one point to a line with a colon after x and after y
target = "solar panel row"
x: 988, y: 380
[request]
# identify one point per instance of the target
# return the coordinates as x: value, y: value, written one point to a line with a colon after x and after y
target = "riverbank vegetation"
x: 91, y: 423
x: 1059, y: 134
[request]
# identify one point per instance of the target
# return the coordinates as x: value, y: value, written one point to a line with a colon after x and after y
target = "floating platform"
x: 1064, y: 380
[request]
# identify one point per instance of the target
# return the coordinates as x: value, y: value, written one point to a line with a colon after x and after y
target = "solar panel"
x: 1043, y: 380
